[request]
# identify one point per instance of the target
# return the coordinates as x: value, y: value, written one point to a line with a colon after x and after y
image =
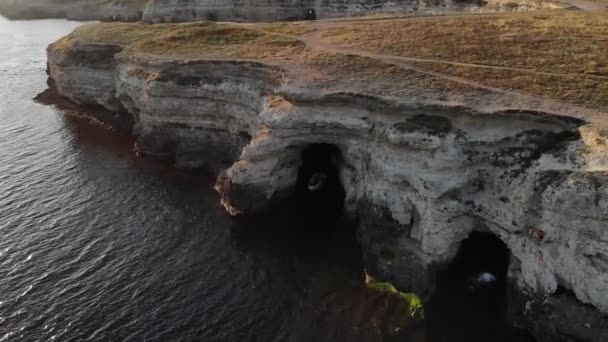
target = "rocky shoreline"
x: 425, y: 157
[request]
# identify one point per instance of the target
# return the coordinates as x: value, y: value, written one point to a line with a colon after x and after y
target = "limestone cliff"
x: 254, y: 10
x: 115, y: 10
x: 268, y: 10
x: 281, y: 10
x: 499, y: 136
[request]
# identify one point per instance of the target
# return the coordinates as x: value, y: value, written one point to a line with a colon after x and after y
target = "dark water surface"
x: 96, y: 245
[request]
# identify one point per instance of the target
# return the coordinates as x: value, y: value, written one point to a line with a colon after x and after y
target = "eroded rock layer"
x: 420, y: 174
x: 112, y: 10
x: 169, y: 11
x: 281, y: 10
x: 268, y: 10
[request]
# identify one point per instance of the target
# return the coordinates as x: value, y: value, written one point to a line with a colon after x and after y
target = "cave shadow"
x: 305, y: 234
x: 319, y: 192
x: 316, y: 204
x: 309, y: 222
x: 470, y: 299
x: 311, y: 14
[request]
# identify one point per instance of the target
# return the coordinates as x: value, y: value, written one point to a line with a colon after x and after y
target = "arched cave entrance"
x: 470, y: 299
x: 311, y: 14
x: 319, y: 191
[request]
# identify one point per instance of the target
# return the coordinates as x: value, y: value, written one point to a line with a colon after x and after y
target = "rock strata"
x: 268, y: 10
x: 281, y: 10
x: 107, y: 10
x: 425, y: 157
x: 170, y: 11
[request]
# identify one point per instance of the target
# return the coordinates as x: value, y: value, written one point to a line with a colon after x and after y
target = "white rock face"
x: 268, y: 10
x: 119, y: 10
x: 443, y: 174
x: 420, y: 177
x: 258, y: 10
x: 280, y: 10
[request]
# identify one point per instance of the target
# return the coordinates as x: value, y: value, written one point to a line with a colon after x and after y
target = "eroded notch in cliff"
x: 319, y: 191
x: 470, y: 301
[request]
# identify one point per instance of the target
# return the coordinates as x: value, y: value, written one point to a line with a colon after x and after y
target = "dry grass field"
x: 561, y: 55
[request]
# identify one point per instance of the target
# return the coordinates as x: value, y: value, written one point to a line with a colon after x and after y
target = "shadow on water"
x: 308, y: 225
x: 307, y: 234
x: 98, y: 137
x: 326, y: 262
x: 317, y: 262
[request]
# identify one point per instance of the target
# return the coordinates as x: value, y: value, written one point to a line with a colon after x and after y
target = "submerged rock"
x: 375, y: 312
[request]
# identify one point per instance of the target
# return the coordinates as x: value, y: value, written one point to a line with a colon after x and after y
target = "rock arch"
x: 470, y: 298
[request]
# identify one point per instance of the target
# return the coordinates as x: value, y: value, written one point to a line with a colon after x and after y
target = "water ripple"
x: 96, y: 248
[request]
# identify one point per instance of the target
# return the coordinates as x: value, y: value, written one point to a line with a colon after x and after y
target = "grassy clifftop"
x: 560, y: 55
x: 184, y: 41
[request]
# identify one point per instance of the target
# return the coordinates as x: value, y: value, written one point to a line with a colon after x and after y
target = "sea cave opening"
x: 470, y: 298
x: 311, y: 14
x: 319, y: 191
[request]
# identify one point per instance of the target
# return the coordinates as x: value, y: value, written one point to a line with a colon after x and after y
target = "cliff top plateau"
x: 551, y: 61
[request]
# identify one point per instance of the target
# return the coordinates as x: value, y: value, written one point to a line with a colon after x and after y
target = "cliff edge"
x: 436, y: 127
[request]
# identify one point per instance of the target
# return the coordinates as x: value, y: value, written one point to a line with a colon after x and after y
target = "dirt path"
x: 588, y: 5
x: 312, y: 41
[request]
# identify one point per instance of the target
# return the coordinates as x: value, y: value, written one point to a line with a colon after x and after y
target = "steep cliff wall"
x: 425, y: 157
x: 121, y: 10
x: 281, y: 10
x: 156, y: 11
x: 267, y: 10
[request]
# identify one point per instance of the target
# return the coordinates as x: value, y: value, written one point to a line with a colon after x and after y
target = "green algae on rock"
x: 415, y: 307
